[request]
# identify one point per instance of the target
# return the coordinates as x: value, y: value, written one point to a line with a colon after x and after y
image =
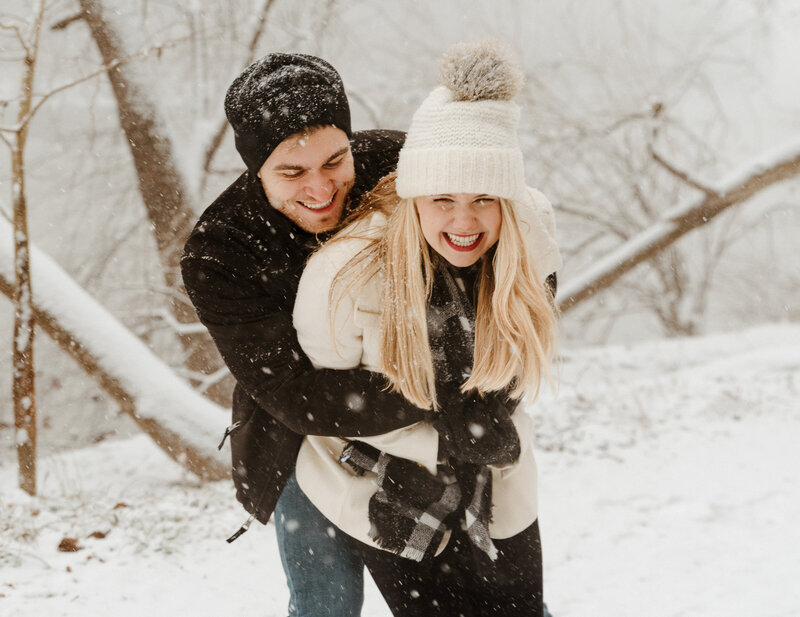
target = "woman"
x: 439, y: 284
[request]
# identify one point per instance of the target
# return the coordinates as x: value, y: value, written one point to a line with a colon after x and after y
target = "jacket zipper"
x: 231, y: 429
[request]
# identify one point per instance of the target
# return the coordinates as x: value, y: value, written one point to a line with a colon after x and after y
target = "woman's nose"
x: 463, y: 218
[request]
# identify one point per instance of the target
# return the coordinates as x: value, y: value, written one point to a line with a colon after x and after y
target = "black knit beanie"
x: 280, y: 95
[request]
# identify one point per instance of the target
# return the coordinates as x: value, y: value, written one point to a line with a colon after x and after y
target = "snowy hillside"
x: 667, y: 488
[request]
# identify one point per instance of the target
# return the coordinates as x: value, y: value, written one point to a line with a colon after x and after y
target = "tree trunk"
x: 23, y: 387
x: 24, y: 378
x: 162, y: 187
x: 184, y: 424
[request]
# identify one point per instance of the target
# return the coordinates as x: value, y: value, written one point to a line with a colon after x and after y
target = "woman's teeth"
x: 318, y: 206
x: 463, y: 240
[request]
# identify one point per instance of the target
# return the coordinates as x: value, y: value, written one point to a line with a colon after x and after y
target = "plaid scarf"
x: 473, y: 428
x: 412, y: 509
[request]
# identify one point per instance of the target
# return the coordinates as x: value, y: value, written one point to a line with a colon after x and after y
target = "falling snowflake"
x: 477, y: 430
x: 291, y: 525
x: 354, y: 401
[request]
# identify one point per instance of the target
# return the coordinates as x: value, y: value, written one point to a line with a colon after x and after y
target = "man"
x: 241, y: 267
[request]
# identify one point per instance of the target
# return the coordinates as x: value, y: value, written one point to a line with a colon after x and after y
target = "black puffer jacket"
x: 241, y: 266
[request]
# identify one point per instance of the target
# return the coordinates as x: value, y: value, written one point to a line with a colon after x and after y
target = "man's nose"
x: 319, y: 187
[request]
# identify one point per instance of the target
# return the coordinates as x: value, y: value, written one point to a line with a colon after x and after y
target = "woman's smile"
x: 461, y: 242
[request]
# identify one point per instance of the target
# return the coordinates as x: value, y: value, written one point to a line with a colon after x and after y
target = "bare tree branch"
x: 594, y: 218
x: 180, y: 328
x: 675, y: 224
x: 63, y: 23
x: 43, y: 98
x: 23, y: 375
x: 579, y: 247
x: 21, y: 39
x: 204, y: 382
x: 222, y: 124
x: 681, y: 175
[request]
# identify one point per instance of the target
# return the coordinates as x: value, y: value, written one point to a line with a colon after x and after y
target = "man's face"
x: 308, y: 176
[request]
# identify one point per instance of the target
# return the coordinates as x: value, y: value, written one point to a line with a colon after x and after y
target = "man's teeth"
x: 463, y: 240
x: 318, y: 206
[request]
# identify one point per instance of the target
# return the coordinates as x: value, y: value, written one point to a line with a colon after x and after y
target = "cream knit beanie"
x: 463, y: 138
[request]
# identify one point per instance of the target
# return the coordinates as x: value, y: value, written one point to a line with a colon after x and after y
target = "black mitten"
x: 478, y: 431
x: 407, y: 491
x: 408, y: 511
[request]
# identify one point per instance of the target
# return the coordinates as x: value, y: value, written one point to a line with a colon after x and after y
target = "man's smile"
x: 319, y: 206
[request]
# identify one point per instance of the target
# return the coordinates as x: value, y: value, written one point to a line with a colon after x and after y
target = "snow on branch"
x: 756, y: 176
x: 184, y: 424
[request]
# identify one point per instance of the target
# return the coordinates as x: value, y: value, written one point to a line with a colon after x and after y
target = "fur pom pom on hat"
x: 463, y: 138
x: 481, y: 71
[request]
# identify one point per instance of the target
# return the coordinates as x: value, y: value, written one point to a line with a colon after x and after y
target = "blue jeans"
x: 323, y: 567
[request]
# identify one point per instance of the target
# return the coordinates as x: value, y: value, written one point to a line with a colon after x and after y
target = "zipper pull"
x: 228, y: 431
x: 241, y: 530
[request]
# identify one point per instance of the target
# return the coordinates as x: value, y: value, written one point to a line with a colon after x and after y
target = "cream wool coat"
x: 354, y: 340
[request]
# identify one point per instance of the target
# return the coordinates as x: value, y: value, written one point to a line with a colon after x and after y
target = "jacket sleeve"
x: 538, y: 223
x: 247, y: 317
x: 326, y: 328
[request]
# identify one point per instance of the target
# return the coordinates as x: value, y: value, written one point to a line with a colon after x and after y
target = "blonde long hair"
x: 515, y: 318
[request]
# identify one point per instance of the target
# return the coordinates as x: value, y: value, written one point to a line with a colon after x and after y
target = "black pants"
x: 463, y: 581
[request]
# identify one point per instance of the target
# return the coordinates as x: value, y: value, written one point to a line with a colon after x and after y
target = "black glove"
x: 405, y: 490
x: 478, y: 431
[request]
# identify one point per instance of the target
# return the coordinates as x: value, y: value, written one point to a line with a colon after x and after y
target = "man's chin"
x: 321, y: 222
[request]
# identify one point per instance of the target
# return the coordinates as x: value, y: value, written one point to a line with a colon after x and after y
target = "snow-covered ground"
x: 667, y: 487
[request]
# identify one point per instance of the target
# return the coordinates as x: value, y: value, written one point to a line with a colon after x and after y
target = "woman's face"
x: 461, y: 227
